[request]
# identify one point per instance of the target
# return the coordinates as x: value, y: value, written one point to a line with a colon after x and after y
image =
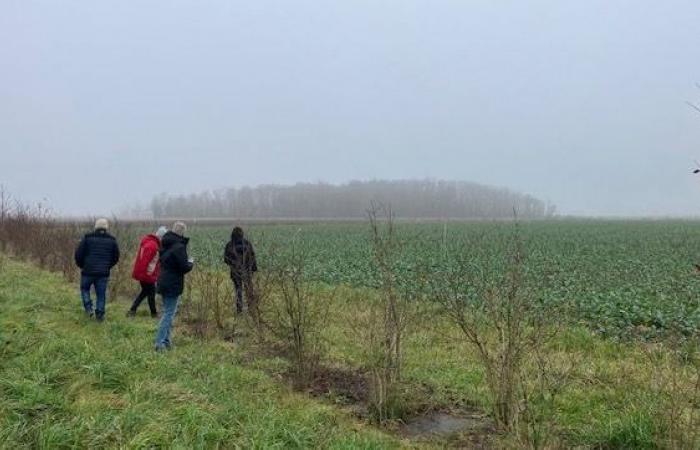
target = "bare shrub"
x: 675, y: 383
x: 502, y: 318
x: 260, y: 292
x: 127, y: 236
x: 64, y: 239
x: 382, y: 366
x: 542, y: 381
x: 296, y: 316
x: 22, y: 230
x: 5, y: 211
x: 31, y: 233
x: 383, y: 325
x: 207, y: 308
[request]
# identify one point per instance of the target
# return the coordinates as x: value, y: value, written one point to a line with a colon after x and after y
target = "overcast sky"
x: 581, y: 103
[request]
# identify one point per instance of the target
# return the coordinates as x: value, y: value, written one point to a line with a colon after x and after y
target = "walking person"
x: 146, y: 271
x: 96, y: 254
x: 239, y: 255
x: 174, y: 264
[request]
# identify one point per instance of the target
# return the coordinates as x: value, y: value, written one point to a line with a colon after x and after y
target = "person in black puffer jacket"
x: 174, y: 264
x: 96, y: 254
x: 239, y: 255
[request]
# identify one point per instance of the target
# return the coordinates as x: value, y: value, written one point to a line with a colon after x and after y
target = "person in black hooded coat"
x: 239, y: 255
x: 174, y: 264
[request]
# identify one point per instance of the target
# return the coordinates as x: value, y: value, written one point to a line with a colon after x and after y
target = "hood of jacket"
x: 151, y: 238
x: 170, y: 239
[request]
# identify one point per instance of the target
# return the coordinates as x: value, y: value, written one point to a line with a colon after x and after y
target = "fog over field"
x: 579, y: 104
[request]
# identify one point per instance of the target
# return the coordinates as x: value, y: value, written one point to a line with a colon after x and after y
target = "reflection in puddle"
x: 444, y: 424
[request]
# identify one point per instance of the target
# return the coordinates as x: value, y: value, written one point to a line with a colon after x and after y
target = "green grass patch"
x: 68, y: 382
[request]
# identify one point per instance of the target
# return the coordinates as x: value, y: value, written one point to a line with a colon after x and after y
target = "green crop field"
x: 619, y: 277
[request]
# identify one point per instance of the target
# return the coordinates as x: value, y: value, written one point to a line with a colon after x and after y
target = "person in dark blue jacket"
x: 97, y: 253
x: 174, y: 264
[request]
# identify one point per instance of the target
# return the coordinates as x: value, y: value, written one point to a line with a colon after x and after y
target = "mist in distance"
x: 403, y: 198
x: 580, y: 104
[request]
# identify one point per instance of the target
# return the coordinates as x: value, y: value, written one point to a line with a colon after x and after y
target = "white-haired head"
x: 179, y: 228
x: 102, y: 224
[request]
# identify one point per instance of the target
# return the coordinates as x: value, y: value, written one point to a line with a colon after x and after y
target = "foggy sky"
x: 581, y: 103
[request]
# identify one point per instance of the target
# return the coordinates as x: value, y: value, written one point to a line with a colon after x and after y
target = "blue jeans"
x: 166, y: 322
x: 100, y: 283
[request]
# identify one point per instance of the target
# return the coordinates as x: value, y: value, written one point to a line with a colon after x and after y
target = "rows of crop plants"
x: 619, y: 278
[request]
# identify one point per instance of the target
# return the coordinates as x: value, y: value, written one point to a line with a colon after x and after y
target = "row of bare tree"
x: 415, y: 199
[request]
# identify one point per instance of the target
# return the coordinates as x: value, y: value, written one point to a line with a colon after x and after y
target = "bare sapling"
x: 120, y: 281
x: 67, y: 242
x: 5, y: 205
x: 42, y: 243
x: 258, y: 293
x: 501, y: 317
x: 542, y: 381
x: 259, y: 290
x: 296, y: 316
x: 675, y: 383
x: 383, y: 325
x: 207, y: 307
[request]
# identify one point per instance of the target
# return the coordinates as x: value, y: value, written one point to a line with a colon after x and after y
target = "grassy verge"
x: 69, y: 382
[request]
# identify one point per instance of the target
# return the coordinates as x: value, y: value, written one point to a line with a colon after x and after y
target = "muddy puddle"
x: 471, y: 430
x: 456, y: 428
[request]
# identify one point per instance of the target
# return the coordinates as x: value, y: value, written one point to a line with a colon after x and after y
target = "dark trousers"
x: 148, y: 290
x: 243, y: 283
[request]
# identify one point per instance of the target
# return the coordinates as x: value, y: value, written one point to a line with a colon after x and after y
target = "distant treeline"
x: 408, y: 199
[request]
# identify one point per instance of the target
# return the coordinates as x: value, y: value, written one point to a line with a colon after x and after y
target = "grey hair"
x: 179, y: 228
x: 101, y: 224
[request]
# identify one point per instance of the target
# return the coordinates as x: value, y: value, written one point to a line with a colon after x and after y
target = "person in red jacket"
x: 146, y: 271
